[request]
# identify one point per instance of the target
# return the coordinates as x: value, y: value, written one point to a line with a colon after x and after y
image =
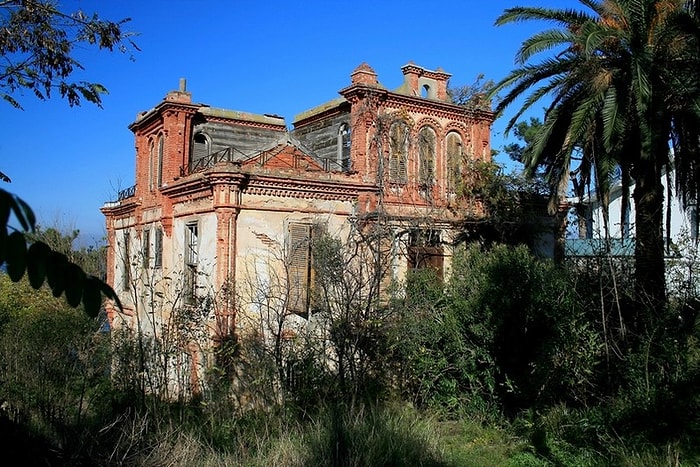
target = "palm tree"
x: 623, y: 86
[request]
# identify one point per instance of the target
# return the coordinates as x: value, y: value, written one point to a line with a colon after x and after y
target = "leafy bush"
x: 508, y: 325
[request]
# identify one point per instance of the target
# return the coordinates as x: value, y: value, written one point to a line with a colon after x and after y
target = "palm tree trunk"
x: 650, y: 283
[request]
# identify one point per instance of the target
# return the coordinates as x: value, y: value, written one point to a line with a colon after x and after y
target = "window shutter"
x: 454, y: 161
x: 398, y: 152
x: 299, y: 265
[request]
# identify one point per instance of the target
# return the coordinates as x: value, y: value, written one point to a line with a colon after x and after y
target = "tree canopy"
x: 624, y: 86
x: 37, y: 41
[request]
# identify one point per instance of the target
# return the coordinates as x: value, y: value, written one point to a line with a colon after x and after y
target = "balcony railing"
x: 225, y: 155
x: 126, y: 193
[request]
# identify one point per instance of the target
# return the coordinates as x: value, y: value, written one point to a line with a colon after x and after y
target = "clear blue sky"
x: 279, y: 57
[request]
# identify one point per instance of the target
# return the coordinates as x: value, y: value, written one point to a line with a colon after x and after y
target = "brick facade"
x: 244, y: 177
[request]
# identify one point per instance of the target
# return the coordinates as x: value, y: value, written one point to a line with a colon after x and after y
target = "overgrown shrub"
x: 508, y: 326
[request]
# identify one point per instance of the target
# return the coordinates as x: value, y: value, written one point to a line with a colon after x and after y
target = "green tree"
x: 37, y: 41
x: 623, y: 85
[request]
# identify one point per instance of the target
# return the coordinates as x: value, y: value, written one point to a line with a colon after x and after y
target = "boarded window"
x: 191, y: 262
x: 426, y: 156
x: 158, y: 248
x: 398, y: 152
x: 425, y: 251
x: 454, y: 162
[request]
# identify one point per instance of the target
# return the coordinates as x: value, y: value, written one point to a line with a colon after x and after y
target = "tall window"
x: 200, y: 147
x: 398, y: 152
x: 343, y: 145
x: 151, y: 162
x: 300, y: 271
x: 159, y: 170
x: 126, y: 261
x: 191, y: 261
x: 146, y: 248
x: 158, y: 248
x: 454, y: 162
x: 426, y: 157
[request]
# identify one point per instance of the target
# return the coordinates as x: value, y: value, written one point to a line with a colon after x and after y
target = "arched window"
x: 426, y: 156
x: 159, y: 170
x: 454, y: 161
x: 151, y: 161
x: 398, y: 152
x: 200, y: 147
x: 343, y: 147
x: 425, y: 91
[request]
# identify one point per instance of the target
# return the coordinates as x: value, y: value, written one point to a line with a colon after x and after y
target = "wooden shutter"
x: 454, y: 161
x: 398, y: 155
x: 299, y: 261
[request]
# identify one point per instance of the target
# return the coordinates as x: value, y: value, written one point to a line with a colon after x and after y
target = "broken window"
x: 425, y: 250
x: 398, y: 152
x: 191, y: 262
x: 344, y: 143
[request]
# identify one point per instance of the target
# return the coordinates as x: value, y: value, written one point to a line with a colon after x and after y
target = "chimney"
x: 181, y: 95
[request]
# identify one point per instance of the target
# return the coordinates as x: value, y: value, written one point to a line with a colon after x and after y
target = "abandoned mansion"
x: 223, y: 197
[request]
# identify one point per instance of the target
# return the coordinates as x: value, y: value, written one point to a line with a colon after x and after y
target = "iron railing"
x: 126, y: 193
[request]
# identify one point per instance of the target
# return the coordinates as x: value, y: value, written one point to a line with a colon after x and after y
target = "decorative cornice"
x: 306, y: 188
x: 437, y: 108
x: 120, y: 208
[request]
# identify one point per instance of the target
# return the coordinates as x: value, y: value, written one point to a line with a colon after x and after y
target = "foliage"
x: 42, y: 264
x: 623, y: 78
x: 525, y: 131
x: 529, y: 347
x: 37, y: 43
x: 473, y: 96
x: 54, y: 364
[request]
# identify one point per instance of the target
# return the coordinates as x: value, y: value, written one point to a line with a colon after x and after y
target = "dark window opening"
x: 146, y: 248
x: 425, y: 251
x: 158, y: 248
x: 126, y: 262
